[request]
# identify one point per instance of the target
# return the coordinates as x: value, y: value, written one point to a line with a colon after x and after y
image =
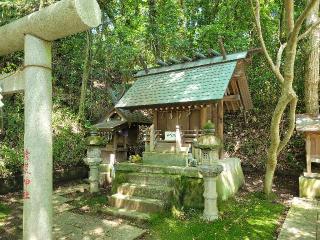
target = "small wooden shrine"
x: 183, y: 97
x: 310, y: 126
x: 121, y: 128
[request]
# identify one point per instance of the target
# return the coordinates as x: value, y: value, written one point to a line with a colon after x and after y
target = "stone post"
x: 210, y: 174
x: 209, y: 147
x: 93, y: 160
x: 37, y: 177
x: 152, y: 138
x: 178, y: 139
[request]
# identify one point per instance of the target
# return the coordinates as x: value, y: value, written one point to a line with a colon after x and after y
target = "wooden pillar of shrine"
x: 308, y: 154
x: 155, y: 119
x: 219, y: 126
x: 203, y: 116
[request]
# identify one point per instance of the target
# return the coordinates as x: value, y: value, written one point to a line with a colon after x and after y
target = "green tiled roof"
x: 194, y: 84
x: 198, y: 63
x: 128, y: 118
x: 135, y: 117
x: 112, y: 124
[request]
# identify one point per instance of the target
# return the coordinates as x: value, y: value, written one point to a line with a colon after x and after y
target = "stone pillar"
x: 37, y: 178
x: 93, y: 160
x: 178, y: 139
x: 152, y: 138
x: 210, y: 174
x: 209, y: 146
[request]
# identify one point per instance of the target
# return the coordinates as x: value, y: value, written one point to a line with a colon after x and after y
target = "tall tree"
x: 311, y: 83
x: 154, y: 38
x: 85, y: 76
x: 288, y: 96
x: 41, y: 5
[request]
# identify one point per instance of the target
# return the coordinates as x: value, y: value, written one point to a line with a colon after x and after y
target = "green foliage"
x: 69, y: 140
x: 250, y: 217
x: 208, y: 127
x: 4, y: 212
x: 133, y: 35
x: 135, y: 158
x: 69, y: 146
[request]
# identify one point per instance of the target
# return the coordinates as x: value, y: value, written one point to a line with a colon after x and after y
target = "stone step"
x: 146, y: 190
x: 158, y: 169
x: 127, y: 214
x: 146, y: 205
x: 152, y: 179
x: 165, y: 147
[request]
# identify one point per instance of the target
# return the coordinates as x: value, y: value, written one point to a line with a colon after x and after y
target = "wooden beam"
x: 155, y: 119
x: 115, y: 144
x: 231, y: 98
x: 235, y: 90
x: 12, y: 83
x: 203, y: 116
x: 219, y: 130
x: 308, y: 153
x: 214, y: 114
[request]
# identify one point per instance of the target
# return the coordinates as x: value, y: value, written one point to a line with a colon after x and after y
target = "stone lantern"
x: 209, y: 146
x: 93, y: 159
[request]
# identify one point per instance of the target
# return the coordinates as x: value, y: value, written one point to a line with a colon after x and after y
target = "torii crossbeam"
x: 34, y: 34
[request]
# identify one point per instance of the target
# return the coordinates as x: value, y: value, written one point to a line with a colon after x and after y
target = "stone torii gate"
x: 34, y: 34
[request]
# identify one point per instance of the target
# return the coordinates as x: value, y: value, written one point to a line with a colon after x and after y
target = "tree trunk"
x: 288, y: 96
x: 41, y: 5
x: 85, y: 77
x: 276, y: 145
x: 311, y: 79
x: 154, y: 38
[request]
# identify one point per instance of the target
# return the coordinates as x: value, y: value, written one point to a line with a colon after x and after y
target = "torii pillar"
x: 34, y: 34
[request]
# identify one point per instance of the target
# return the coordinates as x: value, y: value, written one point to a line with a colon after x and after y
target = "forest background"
x: 91, y: 70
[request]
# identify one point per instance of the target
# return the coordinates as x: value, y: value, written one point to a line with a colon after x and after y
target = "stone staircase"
x: 143, y: 194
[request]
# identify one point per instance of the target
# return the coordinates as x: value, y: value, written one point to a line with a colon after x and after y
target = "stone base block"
x: 231, y: 178
x: 165, y: 159
x: 188, y: 187
x: 309, y: 187
x: 228, y: 184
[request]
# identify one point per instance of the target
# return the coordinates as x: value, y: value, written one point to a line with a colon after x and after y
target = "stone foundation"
x: 231, y: 178
x: 188, y: 187
x: 165, y: 159
x: 309, y: 187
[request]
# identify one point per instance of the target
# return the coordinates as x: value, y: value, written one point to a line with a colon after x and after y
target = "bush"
x: 69, y: 146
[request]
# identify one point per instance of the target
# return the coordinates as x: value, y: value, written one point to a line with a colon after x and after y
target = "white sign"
x: 169, y: 136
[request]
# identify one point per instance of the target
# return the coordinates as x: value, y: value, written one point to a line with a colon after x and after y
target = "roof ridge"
x: 193, y: 64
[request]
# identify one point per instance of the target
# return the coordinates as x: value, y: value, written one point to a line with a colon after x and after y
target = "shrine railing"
x: 182, y: 138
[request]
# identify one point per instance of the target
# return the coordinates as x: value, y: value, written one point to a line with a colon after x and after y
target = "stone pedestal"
x: 210, y: 174
x: 309, y: 187
x: 93, y: 164
x: 105, y: 174
x: 93, y: 160
x: 209, y: 147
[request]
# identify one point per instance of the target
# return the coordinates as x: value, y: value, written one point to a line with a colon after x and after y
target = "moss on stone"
x: 95, y: 141
x: 192, y: 193
x: 121, y: 177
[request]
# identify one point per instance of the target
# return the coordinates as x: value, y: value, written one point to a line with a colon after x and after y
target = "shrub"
x: 69, y: 146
